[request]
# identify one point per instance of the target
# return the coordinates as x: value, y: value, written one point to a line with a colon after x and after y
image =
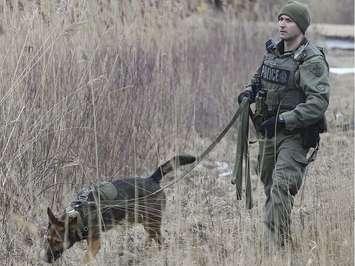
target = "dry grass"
x: 89, y: 96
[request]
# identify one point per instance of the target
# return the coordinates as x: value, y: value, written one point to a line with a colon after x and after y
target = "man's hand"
x: 248, y: 94
x: 268, y: 126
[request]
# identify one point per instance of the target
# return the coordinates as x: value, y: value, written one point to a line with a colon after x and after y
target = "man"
x: 291, y: 95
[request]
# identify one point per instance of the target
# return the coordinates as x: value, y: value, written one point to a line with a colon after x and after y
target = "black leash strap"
x: 242, y: 154
x: 209, y: 148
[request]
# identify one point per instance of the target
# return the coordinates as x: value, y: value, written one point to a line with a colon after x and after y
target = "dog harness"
x: 88, y: 205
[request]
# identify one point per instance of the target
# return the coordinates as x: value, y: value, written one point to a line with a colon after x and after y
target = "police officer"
x: 291, y: 95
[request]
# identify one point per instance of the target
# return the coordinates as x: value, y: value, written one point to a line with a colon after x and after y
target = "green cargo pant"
x: 281, y: 164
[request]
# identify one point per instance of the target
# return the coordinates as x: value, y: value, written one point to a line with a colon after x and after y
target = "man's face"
x: 288, y: 29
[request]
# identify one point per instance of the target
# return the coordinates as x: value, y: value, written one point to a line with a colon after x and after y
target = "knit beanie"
x: 298, y: 13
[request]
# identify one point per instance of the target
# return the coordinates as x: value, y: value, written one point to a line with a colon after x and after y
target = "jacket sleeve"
x: 313, y: 77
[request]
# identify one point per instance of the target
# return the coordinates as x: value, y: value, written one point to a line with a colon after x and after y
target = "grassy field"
x: 93, y: 92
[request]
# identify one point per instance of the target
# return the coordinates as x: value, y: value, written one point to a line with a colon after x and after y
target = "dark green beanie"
x: 298, y: 13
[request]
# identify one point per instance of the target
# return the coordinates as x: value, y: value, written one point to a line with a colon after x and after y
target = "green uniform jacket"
x: 313, y: 79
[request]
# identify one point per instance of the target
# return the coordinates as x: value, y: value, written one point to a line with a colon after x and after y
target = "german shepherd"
x: 137, y: 200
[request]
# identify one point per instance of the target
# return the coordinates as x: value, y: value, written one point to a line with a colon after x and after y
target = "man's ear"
x: 52, y: 218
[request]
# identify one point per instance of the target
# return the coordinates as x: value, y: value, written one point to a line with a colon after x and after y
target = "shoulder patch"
x: 317, y: 69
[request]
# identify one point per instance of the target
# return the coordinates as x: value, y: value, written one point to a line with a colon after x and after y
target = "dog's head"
x: 60, y: 236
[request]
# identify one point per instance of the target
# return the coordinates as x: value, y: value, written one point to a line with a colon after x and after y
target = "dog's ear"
x: 52, y: 218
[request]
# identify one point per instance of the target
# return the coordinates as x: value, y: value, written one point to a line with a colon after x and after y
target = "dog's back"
x: 138, y: 187
x: 141, y: 196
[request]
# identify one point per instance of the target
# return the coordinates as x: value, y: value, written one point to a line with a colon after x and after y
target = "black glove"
x: 268, y: 126
x: 248, y: 94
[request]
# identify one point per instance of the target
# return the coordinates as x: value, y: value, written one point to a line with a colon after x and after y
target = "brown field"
x: 93, y: 92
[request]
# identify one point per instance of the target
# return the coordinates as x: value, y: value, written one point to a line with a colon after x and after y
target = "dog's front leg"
x: 93, y: 248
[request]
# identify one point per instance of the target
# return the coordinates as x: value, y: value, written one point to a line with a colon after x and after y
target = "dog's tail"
x: 173, y: 163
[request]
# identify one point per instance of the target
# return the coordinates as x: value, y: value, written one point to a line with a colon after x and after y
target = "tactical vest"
x: 87, y: 203
x: 279, y: 79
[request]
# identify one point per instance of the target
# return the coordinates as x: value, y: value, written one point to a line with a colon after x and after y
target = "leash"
x: 242, y: 107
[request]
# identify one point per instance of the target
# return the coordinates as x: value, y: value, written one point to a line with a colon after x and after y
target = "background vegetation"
x: 92, y: 90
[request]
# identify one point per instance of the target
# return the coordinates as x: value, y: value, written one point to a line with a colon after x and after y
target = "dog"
x: 102, y: 206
